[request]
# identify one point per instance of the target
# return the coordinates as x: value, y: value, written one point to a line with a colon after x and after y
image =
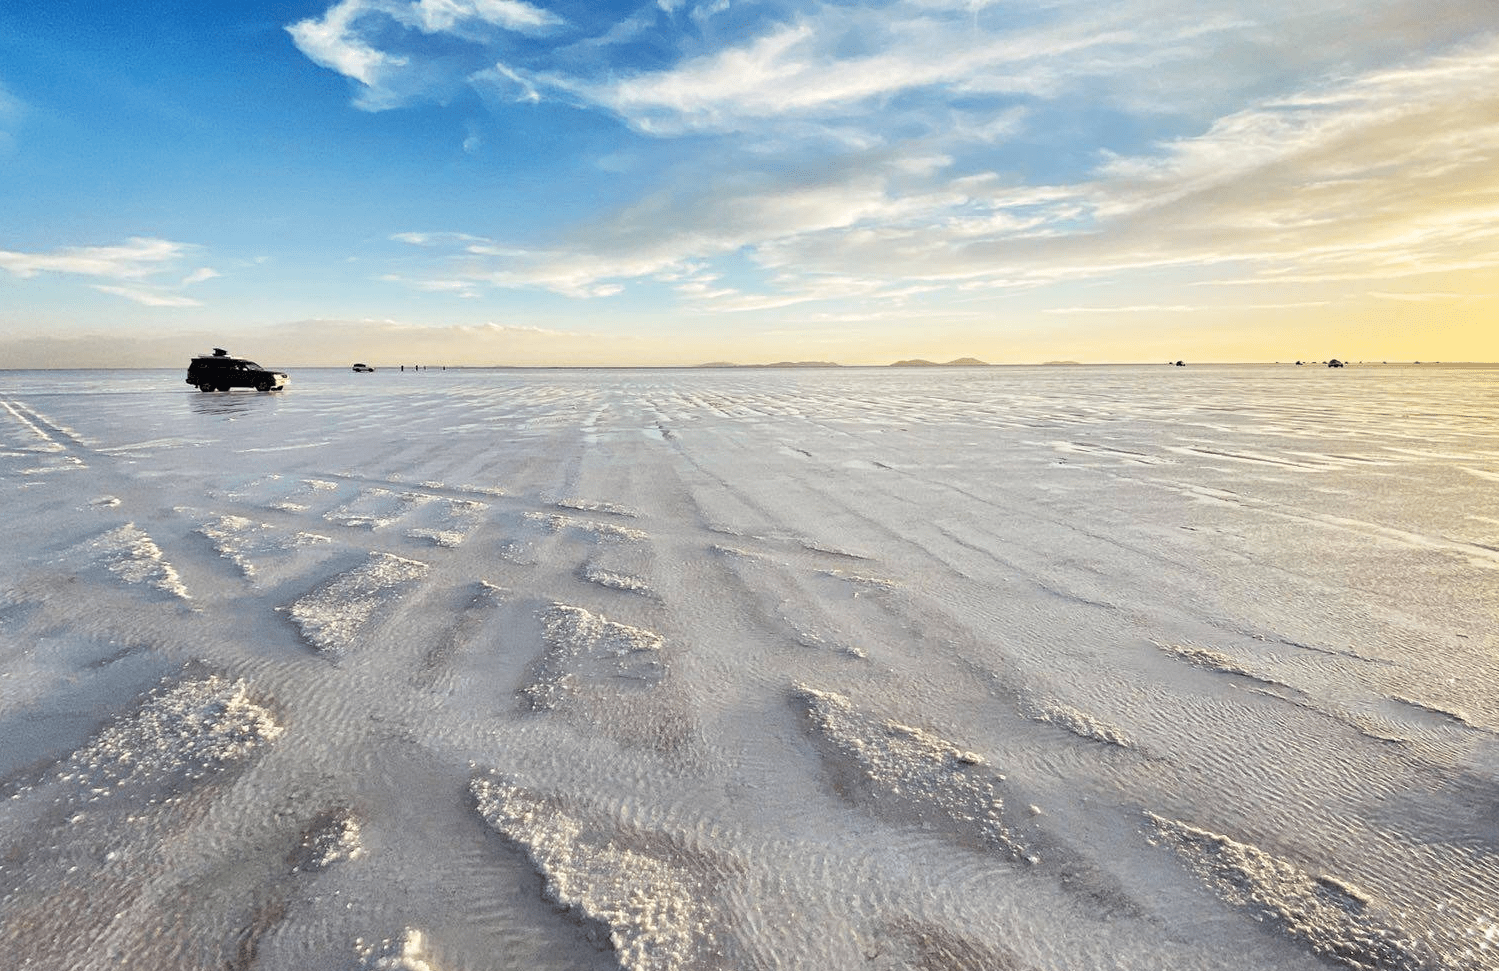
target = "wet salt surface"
x: 1012, y: 668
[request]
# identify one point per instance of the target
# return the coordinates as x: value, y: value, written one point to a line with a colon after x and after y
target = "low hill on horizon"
x: 956, y: 362
x: 727, y: 364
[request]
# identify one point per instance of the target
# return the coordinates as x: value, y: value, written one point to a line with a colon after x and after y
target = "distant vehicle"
x: 220, y: 372
x: 364, y: 369
x: 1335, y: 363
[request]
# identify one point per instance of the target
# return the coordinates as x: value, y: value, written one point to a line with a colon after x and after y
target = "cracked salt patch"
x: 873, y: 583
x: 584, y: 648
x: 585, y: 505
x: 374, y: 508
x: 816, y: 547
x: 609, y: 679
x: 557, y: 522
x: 299, y: 501
x: 253, y: 546
x: 1211, y: 660
x: 448, y: 521
x: 910, y: 771
x: 330, y: 838
x: 1337, y: 920
x: 406, y: 953
x: 654, y: 907
x: 335, y: 615
x: 130, y: 554
x: 1078, y: 723
x: 614, y: 580
x: 190, y: 728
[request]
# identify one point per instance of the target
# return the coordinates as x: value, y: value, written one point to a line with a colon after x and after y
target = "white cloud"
x: 447, y: 16
x: 663, y: 232
x: 436, y: 239
x: 136, y: 258
x: 333, y: 43
x: 354, y: 37
x: 199, y: 275
x: 462, y: 288
x: 1387, y: 174
x: 133, y: 263
x: 148, y: 297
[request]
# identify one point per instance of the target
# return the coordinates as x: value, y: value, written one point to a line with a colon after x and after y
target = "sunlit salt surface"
x: 1013, y: 669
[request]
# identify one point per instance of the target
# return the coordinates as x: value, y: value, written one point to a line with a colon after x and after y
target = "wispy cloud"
x: 148, y: 297
x: 438, y: 238
x: 134, y: 263
x: 136, y: 258
x: 353, y: 37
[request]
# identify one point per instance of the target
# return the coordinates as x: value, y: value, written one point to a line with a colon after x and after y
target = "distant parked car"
x: 363, y: 368
x: 1335, y: 363
x: 220, y: 372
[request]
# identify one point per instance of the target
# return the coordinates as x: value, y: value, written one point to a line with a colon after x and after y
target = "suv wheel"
x: 206, y: 386
x: 264, y: 385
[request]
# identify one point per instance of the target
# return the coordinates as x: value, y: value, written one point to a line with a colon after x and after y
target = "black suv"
x: 220, y: 372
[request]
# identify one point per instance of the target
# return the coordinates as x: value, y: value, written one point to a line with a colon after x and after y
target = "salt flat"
x: 1006, y: 668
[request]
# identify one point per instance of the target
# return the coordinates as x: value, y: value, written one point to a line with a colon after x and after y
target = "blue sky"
x: 510, y: 182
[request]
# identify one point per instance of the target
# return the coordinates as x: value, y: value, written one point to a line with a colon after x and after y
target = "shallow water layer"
x: 990, y: 668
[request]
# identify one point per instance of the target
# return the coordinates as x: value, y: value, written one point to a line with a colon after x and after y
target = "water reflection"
x: 233, y: 404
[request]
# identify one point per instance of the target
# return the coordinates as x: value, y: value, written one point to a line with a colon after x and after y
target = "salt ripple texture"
x: 1028, y: 606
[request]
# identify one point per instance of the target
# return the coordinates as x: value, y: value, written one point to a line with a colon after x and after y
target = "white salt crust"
x: 1337, y: 920
x: 130, y: 554
x: 913, y: 771
x: 405, y: 953
x: 583, y: 646
x: 190, y: 728
x: 653, y: 910
x: 334, y: 616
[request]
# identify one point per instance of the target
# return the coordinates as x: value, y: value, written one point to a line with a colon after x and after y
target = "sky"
x: 560, y: 182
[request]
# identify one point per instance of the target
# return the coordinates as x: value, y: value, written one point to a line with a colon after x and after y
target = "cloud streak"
x: 351, y: 36
x: 132, y: 264
x: 134, y: 259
